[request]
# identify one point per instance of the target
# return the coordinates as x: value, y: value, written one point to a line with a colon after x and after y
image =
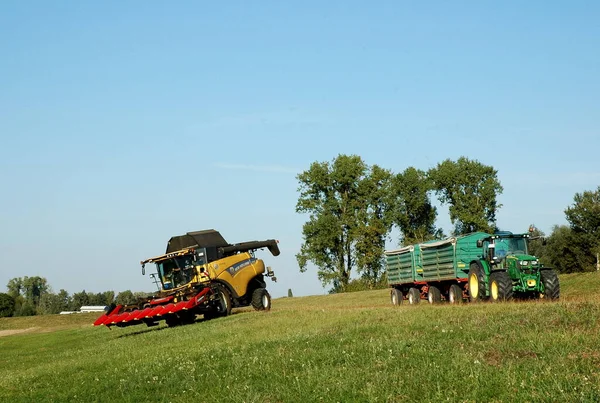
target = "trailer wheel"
x: 551, y: 285
x: 455, y: 295
x: 434, y: 296
x: 396, y: 296
x: 501, y: 288
x: 414, y: 296
x: 476, y: 283
x: 261, y: 300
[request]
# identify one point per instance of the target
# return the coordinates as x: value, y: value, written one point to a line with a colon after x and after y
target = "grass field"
x: 340, y: 348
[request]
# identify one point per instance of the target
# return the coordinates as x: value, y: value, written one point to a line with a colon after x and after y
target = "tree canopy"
x: 414, y: 213
x: 470, y: 189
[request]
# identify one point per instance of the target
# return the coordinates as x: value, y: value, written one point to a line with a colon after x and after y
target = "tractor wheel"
x: 414, y: 296
x: 476, y: 283
x: 396, y: 296
x: 261, y: 300
x: 551, y: 285
x: 455, y: 295
x: 501, y: 288
x: 434, y: 296
x: 223, y: 306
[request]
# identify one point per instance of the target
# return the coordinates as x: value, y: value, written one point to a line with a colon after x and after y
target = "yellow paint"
x: 494, y: 290
x: 240, y: 279
x: 531, y: 283
x: 474, y: 285
x: 460, y: 264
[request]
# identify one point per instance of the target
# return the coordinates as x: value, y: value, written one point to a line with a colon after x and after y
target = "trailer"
x: 474, y: 267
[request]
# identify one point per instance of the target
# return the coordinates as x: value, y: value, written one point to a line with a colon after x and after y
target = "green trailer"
x: 475, y: 267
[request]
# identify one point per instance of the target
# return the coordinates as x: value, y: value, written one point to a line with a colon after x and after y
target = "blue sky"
x: 124, y: 123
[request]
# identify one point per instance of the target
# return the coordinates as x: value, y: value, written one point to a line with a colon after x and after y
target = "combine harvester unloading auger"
x: 200, y: 274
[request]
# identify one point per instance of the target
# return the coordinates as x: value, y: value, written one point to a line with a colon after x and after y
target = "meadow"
x: 333, y: 348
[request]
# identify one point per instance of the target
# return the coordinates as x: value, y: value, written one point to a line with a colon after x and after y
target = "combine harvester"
x: 476, y: 267
x: 200, y: 274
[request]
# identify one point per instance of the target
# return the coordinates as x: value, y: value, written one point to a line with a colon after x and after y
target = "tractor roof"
x: 201, y: 239
x: 170, y: 255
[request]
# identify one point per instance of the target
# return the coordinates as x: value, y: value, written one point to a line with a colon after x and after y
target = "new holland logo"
x: 233, y: 270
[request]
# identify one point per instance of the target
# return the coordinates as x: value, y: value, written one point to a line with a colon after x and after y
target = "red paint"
x: 161, y: 301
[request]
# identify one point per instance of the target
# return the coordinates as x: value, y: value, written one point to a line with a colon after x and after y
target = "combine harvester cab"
x: 476, y: 267
x: 200, y: 274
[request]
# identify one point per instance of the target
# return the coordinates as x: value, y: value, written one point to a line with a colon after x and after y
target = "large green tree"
x: 470, y: 189
x: 349, y: 217
x: 584, y: 218
x: 414, y: 213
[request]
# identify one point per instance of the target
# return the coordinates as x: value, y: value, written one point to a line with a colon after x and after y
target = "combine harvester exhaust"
x: 200, y: 274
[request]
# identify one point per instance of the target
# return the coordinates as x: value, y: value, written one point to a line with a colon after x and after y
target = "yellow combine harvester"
x: 200, y: 274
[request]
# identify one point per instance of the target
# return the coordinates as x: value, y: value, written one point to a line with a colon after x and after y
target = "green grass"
x: 349, y: 347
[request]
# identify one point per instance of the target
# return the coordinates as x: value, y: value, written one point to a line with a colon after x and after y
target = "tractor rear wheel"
x: 551, y: 284
x: 414, y: 296
x: 261, y: 300
x: 434, y: 296
x: 455, y: 295
x: 476, y: 283
x: 501, y: 288
x: 396, y: 296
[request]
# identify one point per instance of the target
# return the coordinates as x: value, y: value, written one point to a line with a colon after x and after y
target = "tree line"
x: 353, y: 207
x: 28, y: 296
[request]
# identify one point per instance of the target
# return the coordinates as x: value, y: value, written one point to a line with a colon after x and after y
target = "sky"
x: 123, y: 123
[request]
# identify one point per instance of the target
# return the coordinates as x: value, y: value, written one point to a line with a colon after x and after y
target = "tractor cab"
x: 505, y: 250
x: 177, y: 269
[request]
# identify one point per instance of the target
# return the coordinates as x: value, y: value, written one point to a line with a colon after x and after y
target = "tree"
x: 51, y: 303
x: 26, y: 309
x: 27, y: 292
x: 78, y: 300
x: 536, y: 244
x: 584, y: 219
x: 347, y: 218
x: 375, y: 220
x: 470, y: 188
x: 14, y: 286
x: 125, y: 298
x: 34, y: 288
x: 414, y: 214
x: 566, y: 251
x: 7, y: 305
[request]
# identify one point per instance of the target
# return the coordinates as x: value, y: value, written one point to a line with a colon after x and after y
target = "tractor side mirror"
x: 143, y: 269
x: 480, y: 243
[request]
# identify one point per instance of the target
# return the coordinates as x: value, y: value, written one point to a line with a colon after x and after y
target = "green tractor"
x: 507, y: 270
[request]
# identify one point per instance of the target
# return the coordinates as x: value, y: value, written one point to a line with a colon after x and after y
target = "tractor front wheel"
x: 551, y: 285
x: 501, y: 288
x: 261, y: 300
x: 222, y: 303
